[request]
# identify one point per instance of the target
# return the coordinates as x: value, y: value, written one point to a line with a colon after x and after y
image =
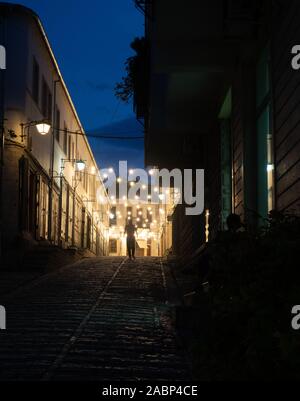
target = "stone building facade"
x: 47, y: 196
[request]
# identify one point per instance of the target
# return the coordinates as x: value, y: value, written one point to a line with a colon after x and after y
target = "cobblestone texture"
x: 99, y: 319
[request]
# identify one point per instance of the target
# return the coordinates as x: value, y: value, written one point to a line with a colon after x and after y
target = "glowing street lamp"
x: 80, y: 164
x: 43, y: 128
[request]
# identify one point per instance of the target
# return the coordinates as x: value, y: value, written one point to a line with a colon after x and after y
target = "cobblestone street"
x: 98, y: 319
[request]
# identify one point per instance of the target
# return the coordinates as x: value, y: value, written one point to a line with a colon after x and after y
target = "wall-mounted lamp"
x: 80, y: 164
x: 43, y: 128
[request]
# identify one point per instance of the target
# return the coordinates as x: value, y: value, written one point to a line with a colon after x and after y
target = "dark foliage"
x: 125, y: 89
x: 254, y: 283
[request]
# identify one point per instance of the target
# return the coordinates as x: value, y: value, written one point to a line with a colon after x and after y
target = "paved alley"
x: 98, y: 319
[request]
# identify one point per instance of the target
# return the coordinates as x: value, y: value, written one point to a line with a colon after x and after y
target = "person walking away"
x: 130, y: 230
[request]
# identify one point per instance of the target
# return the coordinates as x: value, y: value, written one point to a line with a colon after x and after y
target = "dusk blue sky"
x: 91, y: 40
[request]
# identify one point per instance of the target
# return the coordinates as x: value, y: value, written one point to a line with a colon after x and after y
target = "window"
x: 65, y: 139
x: 35, y: 81
x: 113, y: 246
x: 69, y: 147
x: 46, y: 100
x: 265, y: 173
x: 57, y: 124
x: 85, y: 181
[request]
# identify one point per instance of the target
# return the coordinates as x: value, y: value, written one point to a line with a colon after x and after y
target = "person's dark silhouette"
x: 130, y: 230
x: 234, y: 222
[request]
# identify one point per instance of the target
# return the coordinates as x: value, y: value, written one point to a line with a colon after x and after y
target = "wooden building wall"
x: 286, y: 102
x: 237, y: 146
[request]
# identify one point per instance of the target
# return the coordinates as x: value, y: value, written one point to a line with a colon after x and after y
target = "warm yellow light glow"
x: 149, y: 197
x: 93, y: 170
x: 140, y: 213
x: 149, y: 208
x: 43, y: 128
x: 144, y: 186
x: 131, y: 184
x: 207, y: 225
x: 129, y: 213
x: 131, y: 171
x: 156, y: 189
x: 138, y: 219
x: 137, y: 197
x: 119, y: 180
x: 151, y: 172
